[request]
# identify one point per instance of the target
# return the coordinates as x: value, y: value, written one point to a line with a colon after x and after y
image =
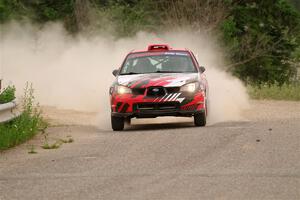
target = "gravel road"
x: 254, y: 158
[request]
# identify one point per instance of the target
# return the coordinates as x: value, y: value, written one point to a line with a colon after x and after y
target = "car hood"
x: 166, y: 80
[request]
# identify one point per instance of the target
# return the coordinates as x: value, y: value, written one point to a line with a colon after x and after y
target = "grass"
x: 289, y: 92
x: 69, y: 139
x: 8, y: 94
x: 24, y: 127
x: 57, y: 143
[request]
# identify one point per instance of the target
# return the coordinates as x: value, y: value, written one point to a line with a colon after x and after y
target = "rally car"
x: 159, y: 81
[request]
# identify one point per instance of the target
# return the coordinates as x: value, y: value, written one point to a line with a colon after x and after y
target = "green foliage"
x: 23, y: 127
x: 50, y: 10
x: 276, y: 92
x: 11, y: 9
x: 8, y: 94
x: 55, y: 145
x: 69, y: 139
x: 229, y: 33
x: 37, y: 10
x: 296, y: 55
x: 129, y: 17
x: 261, y: 38
x: 296, y: 3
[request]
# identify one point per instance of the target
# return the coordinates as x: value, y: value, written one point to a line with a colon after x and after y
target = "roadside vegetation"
x: 25, y: 126
x: 7, y: 95
x: 55, y: 143
x: 276, y: 92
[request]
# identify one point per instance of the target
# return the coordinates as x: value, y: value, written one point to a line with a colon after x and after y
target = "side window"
x: 126, y: 66
x: 130, y: 63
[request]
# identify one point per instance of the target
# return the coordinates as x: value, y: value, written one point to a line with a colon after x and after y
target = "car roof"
x: 158, y: 48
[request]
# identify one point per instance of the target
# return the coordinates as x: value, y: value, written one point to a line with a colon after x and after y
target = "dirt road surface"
x: 254, y: 158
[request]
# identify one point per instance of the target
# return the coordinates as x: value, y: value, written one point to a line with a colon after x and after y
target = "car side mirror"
x: 115, y: 72
x: 202, y: 69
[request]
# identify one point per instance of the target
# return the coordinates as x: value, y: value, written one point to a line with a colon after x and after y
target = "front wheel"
x: 117, y: 123
x: 200, y: 119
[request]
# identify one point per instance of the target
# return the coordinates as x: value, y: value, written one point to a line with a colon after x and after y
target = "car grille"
x: 161, y: 91
x: 156, y: 91
x: 172, y: 89
x: 166, y: 106
x: 190, y: 107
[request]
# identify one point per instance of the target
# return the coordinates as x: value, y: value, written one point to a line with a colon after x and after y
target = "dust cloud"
x: 74, y: 73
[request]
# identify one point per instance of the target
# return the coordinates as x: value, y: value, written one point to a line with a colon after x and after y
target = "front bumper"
x: 141, y: 106
x: 158, y: 113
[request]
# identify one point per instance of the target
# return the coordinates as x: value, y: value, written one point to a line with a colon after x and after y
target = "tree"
x: 261, y: 37
x: 203, y: 15
x: 296, y: 3
x: 81, y: 12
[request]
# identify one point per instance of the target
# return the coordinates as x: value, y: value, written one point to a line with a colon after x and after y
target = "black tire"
x: 117, y: 123
x: 200, y: 119
x: 128, y: 120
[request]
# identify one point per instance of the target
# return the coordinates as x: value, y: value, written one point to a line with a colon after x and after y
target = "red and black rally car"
x: 159, y: 81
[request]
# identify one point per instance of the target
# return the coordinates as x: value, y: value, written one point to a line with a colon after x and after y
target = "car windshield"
x: 158, y: 62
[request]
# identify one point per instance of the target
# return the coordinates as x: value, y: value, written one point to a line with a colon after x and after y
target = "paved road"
x: 257, y: 158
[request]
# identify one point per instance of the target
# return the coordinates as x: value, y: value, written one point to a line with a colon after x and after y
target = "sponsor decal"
x: 175, y: 97
x: 155, y: 90
x: 146, y: 80
x: 137, y: 55
x: 144, y: 54
x: 170, y: 97
x: 177, y: 53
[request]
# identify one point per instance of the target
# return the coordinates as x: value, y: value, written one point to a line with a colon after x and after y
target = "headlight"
x: 191, y: 87
x: 120, y: 89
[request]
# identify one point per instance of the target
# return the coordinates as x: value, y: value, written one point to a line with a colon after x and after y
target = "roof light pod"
x: 158, y: 47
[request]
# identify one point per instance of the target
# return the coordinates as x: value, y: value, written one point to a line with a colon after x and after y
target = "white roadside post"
x: 7, y: 110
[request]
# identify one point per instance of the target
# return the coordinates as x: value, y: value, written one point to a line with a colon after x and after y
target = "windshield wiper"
x: 130, y: 73
x: 162, y: 71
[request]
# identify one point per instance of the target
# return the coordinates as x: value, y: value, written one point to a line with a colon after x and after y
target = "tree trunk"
x: 81, y: 12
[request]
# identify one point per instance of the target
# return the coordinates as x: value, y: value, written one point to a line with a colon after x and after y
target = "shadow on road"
x: 138, y: 127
